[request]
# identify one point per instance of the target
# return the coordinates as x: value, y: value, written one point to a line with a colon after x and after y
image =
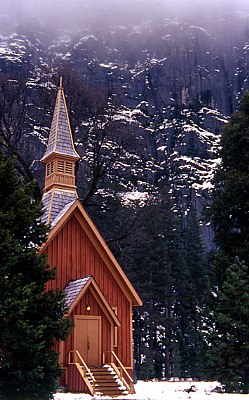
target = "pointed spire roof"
x: 60, y: 187
x: 60, y: 140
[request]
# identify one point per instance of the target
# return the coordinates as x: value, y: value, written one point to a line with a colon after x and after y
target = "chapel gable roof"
x: 98, y: 242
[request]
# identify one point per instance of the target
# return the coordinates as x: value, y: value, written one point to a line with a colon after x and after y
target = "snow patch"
x: 130, y: 197
x: 167, y: 390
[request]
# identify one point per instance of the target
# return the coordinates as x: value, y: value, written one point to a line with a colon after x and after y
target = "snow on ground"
x: 166, y: 391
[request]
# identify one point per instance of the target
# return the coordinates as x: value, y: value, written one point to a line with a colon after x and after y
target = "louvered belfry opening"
x: 60, y: 172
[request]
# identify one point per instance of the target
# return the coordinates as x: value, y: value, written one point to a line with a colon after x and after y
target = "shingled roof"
x: 73, y: 289
x: 60, y: 137
x: 56, y: 202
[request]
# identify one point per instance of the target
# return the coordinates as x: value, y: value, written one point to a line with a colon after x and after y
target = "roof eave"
x: 46, y: 158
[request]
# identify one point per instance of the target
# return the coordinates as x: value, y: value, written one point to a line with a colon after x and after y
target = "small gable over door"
x: 94, y: 320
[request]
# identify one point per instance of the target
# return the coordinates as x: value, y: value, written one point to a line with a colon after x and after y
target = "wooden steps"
x: 107, y: 382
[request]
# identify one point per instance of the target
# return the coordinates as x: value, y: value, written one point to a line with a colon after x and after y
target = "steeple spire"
x: 60, y: 157
x: 60, y: 140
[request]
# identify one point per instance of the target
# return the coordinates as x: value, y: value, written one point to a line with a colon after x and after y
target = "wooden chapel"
x: 97, y: 357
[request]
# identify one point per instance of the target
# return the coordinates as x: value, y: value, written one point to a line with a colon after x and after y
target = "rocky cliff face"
x: 175, y: 82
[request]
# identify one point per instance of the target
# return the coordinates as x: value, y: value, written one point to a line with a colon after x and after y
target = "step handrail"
x: 130, y: 386
x: 83, y: 370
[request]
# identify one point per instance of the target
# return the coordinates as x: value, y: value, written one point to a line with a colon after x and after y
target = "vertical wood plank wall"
x: 97, y: 311
x: 76, y: 382
x: 74, y: 255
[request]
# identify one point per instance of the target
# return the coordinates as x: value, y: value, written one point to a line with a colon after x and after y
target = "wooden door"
x: 87, y: 338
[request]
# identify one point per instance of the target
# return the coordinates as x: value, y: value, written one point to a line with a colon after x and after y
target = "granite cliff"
x: 171, y: 83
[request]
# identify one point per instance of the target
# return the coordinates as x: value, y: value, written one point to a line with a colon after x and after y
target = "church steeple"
x: 60, y: 158
x: 60, y: 155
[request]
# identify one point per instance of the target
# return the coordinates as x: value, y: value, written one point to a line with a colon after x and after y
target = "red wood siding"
x: 96, y: 310
x: 76, y: 382
x: 75, y: 256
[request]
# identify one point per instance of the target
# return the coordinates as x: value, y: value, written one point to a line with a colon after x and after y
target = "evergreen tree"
x: 30, y: 317
x: 146, y: 258
x: 228, y: 321
x: 194, y: 254
x: 167, y: 339
x: 151, y: 272
x: 230, y: 198
x: 229, y: 354
x: 195, y: 284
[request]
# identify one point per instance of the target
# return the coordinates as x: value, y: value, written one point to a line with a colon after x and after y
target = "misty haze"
x: 97, y: 13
